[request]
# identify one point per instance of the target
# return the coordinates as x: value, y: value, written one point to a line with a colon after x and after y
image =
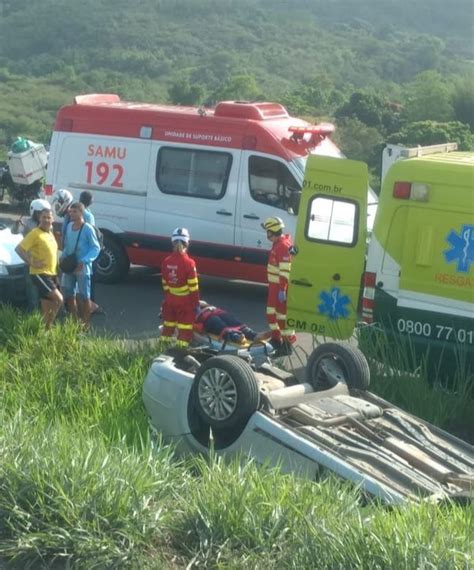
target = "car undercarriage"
x: 241, y: 403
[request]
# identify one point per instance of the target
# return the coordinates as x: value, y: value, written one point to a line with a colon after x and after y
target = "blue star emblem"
x: 334, y: 304
x: 462, y: 248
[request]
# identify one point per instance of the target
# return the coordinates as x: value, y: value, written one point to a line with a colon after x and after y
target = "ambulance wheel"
x: 112, y: 264
x: 331, y: 363
x: 225, y: 392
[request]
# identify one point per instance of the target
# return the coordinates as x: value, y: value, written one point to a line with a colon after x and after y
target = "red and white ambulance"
x: 152, y: 168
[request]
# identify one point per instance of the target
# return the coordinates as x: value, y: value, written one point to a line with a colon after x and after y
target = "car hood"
x: 8, y: 242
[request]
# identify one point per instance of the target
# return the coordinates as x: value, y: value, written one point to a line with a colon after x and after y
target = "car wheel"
x: 112, y: 264
x: 226, y: 392
x: 331, y: 363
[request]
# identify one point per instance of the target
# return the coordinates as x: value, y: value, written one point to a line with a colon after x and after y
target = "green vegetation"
x: 82, y: 485
x: 442, y: 395
x: 380, y: 69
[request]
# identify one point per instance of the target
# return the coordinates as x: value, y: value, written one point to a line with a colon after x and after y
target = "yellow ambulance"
x: 417, y: 274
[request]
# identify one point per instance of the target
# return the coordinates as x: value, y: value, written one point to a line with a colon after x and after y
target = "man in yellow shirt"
x: 40, y: 251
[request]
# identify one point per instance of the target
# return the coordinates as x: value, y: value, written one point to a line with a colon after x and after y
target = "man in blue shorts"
x: 79, y: 238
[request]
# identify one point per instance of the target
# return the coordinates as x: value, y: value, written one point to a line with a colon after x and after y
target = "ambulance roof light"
x: 317, y: 134
x: 96, y: 99
x: 324, y: 129
x: 246, y: 110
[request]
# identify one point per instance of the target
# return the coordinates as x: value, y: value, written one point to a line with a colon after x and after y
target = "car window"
x: 191, y: 172
x: 332, y: 220
x: 271, y: 183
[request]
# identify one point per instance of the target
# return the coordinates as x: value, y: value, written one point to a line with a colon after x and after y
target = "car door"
x: 195, y: 187
x: 330, y: 243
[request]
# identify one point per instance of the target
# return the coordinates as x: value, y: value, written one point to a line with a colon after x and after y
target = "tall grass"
x: 246, y: 517
x: 67, y: 495
x: 423, y: 392
x: 82, y: 486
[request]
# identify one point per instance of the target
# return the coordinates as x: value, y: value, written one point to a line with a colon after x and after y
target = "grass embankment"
x: 81, y: 485
x: 444, y: 397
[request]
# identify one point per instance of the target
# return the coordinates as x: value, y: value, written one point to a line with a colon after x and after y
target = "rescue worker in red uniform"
x: 278, y: 273
x: 181, y: 287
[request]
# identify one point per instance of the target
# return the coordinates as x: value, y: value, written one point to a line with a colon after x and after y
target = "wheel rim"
x: 320, y: 369
x: 106, y: 261
x: 217, y: 394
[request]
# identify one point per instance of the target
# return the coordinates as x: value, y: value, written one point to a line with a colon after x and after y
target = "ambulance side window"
x: 332, y: 220
x: 271, y: 183
x: 191, y: 172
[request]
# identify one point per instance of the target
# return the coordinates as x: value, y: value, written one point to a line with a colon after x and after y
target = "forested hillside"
x: 381, y: 69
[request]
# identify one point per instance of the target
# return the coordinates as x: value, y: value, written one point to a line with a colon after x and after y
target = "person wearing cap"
x: 278, y: 273
x: 181, y: 287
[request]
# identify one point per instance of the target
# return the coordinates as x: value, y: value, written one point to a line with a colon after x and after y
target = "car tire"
x: 349, y: 361
x: 225, y: 392
x: 112, y: 265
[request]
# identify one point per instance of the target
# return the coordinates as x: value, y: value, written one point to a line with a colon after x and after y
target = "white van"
x: 218, y: 172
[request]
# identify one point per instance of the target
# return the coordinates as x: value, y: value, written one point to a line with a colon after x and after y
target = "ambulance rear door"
x: 330, y: 245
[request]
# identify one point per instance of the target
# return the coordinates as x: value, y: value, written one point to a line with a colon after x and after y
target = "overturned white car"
x: 244, y: 404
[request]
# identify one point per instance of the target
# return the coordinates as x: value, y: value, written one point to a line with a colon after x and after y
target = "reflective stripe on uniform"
x: 273, y: 278
x: 169, y: 324
x: 273, y: 326
x: 184, y: 327
x: 193, y: 289
x: 182, y: 343
x: 271, y: 311
x: 178, y: 293
x: 285, y: 265
x: 193, y: 281
x: 272, y: 268
x: 281, y: 317
x: 178, y: 290
x: 287, y: 332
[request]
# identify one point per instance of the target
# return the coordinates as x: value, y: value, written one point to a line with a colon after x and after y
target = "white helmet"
x: 62, y: 199
x: 180, y: 234
x: 39, y: 205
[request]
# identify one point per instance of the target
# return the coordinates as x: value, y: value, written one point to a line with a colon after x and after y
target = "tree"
x: 238, y: 87
x: 359, y: 141
x: 182, y: 92
x: 463, y: 100
x: 371, y: 109
x: 429, y: 98
x: 432, y: 132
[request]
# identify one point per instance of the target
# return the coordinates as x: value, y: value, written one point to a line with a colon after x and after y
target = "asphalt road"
x: 132, y: 307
